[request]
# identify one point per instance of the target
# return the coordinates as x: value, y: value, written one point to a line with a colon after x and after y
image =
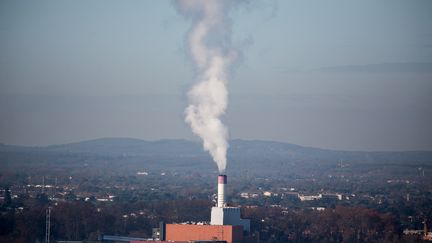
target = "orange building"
x: 153, y: 241
x: 192, y: 232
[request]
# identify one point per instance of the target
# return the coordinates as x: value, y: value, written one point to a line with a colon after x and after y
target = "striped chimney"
x: 222, y: 181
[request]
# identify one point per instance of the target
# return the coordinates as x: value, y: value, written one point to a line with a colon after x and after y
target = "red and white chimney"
x: 222, y: 181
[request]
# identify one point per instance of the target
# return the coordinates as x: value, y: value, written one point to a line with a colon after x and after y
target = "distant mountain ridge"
x: 240, y: 150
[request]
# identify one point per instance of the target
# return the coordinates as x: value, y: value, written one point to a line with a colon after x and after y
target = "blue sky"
x: 339, y: 74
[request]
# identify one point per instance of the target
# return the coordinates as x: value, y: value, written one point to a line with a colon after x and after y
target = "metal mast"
x: 47, y: 224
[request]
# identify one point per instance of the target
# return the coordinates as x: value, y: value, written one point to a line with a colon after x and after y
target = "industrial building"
x: 223, y: 215
x: 191, y: 232
x: 226, y: 225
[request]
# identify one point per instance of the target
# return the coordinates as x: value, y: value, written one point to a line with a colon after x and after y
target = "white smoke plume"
x: 209, y: 43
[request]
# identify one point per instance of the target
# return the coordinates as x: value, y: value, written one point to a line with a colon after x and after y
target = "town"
x: 91, y: 195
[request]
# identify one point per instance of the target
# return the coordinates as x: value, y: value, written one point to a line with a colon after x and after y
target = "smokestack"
x: 222, y: 181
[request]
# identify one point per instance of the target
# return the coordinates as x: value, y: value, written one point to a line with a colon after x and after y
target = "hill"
x: 253, y: 154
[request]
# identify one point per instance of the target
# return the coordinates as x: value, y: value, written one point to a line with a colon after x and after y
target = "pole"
x: 48, y: 225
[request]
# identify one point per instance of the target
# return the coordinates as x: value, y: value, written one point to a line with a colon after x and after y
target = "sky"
x: 336, y: 74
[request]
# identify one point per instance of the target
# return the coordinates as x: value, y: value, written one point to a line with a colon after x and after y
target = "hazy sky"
x: 340, y: 74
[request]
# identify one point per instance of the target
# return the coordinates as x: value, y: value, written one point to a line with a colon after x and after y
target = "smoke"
x: 209, y: 44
